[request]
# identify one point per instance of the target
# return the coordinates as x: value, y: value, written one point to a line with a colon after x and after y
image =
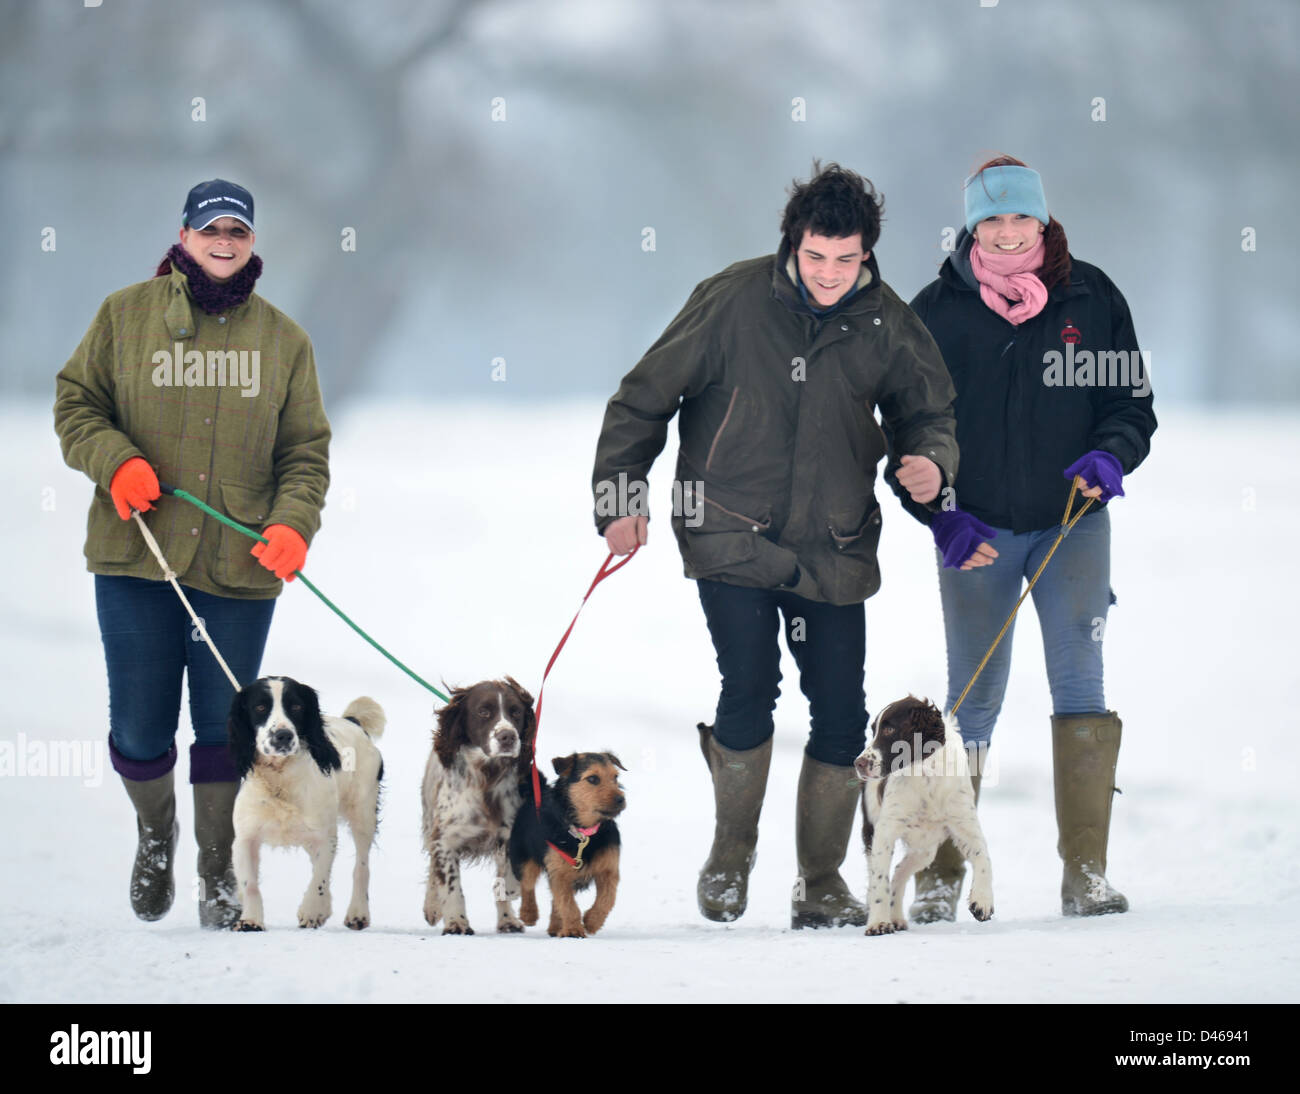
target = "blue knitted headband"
x: 1004, y: 190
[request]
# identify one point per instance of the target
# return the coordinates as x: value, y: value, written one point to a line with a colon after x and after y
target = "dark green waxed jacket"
x: 779, y: 439
x: 227, y: 407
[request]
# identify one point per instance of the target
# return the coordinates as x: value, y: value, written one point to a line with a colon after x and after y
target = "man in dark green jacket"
x: 777, y: 366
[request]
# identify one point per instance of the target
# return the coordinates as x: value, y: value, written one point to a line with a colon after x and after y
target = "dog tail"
x: 368, y: 714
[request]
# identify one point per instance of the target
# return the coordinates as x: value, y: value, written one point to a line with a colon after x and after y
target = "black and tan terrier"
x: 573, y: 838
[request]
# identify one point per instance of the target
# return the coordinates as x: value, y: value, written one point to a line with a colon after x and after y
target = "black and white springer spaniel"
x: 482, y: 753
x: 303, y: 772
x: 918, y: 789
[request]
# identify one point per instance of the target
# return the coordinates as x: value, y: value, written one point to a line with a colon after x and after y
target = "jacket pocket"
x: 236, y: 568
x: 856, y: 573
x: 109, y: 538
x: 723, y: 538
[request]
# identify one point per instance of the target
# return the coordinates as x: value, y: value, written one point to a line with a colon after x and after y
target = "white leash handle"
x: 170, y: 575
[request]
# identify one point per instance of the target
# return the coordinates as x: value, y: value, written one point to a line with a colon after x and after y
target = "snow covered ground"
x: 460, y: 536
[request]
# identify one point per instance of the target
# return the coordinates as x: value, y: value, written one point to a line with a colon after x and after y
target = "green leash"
x: 185, y: 495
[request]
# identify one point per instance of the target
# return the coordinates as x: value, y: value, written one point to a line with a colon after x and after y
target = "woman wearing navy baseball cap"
x: 1050, y: 384
x: 193, y: 379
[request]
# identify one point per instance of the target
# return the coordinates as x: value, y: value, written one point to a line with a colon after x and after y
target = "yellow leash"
x: 1067, y: 522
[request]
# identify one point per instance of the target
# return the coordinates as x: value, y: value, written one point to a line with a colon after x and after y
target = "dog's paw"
x: 511, y: 926
x: 982, y: 912
x: 885, y: 926
x: 593, y: 922
x: 313, y: 914
x: 570, y: 930
x: 900, y: 924
x: 357, y: 922
x: 247, y: 925
x: 457, y: 926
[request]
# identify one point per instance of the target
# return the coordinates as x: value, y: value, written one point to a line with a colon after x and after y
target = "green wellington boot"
x: 739, y: 782
x: 829, y: 796
x: 1085, y: 750
x: 214, y: 831
x: 153, y: 885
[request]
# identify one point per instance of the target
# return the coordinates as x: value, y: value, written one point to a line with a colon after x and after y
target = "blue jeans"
x: 1072, y: 599
x: 829, y: 644
x: 150, y: 643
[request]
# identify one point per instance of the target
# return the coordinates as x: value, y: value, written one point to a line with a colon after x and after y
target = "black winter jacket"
x: 1032, y: 399
x: 779, y: 441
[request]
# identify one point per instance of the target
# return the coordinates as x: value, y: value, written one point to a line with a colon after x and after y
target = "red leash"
x: 605, y: 570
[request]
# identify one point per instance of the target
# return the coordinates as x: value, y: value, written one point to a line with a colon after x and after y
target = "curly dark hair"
x: 835, y: 202
x: 1055, y: 269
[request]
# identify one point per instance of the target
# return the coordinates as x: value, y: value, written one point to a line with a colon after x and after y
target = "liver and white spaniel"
x: 918, y: 789
x: 482, y: 753
x: 304, y: 772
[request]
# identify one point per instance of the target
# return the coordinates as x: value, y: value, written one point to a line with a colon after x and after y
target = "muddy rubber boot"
x: 1085, y: 750
x: 829, y: 796
x: 739, y: 782
x: 214, y: 831
x: 153, y: 886
x: 938, y: 886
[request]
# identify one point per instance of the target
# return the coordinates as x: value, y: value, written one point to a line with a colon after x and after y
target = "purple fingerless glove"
x: 957, y: 534
x: 1099, y: 468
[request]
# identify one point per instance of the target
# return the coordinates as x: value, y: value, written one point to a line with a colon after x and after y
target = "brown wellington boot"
x: 739, y: 782
x: 1085, y: 750
x: 938, y: 886
x: 214, y: 831
x: 829, y: 796
x: 153, y: 886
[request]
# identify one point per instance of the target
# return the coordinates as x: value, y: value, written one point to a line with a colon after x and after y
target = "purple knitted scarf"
x: 210, y: 296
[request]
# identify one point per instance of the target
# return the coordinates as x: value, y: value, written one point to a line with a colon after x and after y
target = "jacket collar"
x: 179, y: 316
x: 864, y: 297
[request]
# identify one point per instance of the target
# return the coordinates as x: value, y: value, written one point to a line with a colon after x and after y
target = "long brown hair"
x: 1055, y: 269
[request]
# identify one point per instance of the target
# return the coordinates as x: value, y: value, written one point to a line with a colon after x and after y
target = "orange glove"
x: 284, y: 552
x: 134, y: 486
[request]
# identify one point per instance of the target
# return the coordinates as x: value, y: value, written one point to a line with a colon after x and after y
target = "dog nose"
x: 282, y: 739
x: 862, y: 765
x: 507, y: 739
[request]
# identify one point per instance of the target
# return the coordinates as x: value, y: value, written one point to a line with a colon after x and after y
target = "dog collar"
x: 583, y: 836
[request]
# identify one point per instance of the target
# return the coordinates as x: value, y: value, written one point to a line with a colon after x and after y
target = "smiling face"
x: 1008, y: 233
x: 221, y: 249
x: 829, y: 267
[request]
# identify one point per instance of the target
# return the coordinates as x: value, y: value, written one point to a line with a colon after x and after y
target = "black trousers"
x: 828, y: 643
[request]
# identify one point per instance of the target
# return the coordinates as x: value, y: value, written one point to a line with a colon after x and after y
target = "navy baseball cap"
x: 217, y: 198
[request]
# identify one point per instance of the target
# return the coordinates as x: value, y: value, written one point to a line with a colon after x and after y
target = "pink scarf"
x: 1008, y: 283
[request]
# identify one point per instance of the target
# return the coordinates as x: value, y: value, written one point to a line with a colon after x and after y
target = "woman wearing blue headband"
x: 1050, y: 384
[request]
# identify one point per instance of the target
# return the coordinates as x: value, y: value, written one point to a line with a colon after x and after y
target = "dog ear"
x: 926, y: 720
x: 312, y: 727
x: 521, y: 691
x: 564, y: 765
x: 615, y: 761
x: 449, y: 735
x: 239, y: 730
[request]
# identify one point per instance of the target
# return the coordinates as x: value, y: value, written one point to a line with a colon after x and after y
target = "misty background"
x: 499, y: 162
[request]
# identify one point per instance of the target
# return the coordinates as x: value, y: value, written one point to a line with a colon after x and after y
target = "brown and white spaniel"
x: 482, y: 752
x: 918, y: 789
